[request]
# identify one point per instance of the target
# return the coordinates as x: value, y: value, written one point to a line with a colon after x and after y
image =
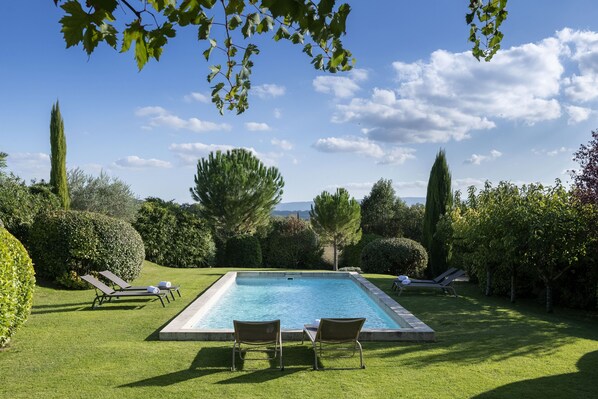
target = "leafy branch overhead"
x: 225, y: 26
x: 485, y: 18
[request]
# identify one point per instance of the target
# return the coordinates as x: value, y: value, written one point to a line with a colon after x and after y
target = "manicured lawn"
x: 486, y: 348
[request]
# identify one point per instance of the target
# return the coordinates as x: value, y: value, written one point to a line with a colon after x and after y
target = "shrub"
x: 394, y: 256
x: 291, y: 243
x: 67, y: 244
x: 351, y: 256
x: 17, y: 282
x: 20, y: 204
x: 174, y: 235
x: 243, y: 251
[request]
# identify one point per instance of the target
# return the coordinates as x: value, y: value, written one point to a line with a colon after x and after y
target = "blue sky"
x: 415, y: 89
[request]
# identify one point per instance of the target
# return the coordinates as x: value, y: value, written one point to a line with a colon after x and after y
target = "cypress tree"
x: 438, y: 202
x: 58, y: 179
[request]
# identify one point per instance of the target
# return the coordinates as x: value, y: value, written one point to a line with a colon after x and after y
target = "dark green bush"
x: 244, y: 251
x: 20, y: 204
x: 174, y: 235
x: 67, y: 244
x: 17, y: 282
x: 351, y: 255
x: 394, y: 256
x: 291, y: 243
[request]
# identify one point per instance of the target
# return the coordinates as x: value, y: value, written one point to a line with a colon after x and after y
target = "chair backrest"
x: 440, y: 277
x: 115, y: 279
x: 339, y: 330
x: 257, y: 331
x: 97, y: 284
x: 452, y: 277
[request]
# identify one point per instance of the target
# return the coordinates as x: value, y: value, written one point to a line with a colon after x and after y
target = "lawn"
x: 486, y: 348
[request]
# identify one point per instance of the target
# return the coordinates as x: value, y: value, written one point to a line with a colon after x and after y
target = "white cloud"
x: 159, y: 116
x: 194, y: 96
x: 478, y: 159
x: 577, y: 114
x: 393, y: 155
x: 551, y: 153
x: 257, y: 126
x: 340, y: 86
x: 133, y: 161
x: 29, y: 161
x: 268, y: 90
x: 284, y: 144
x: 582, y: 48
x: 277, y: 113
x: 357, y: 145
x: 189, y: 153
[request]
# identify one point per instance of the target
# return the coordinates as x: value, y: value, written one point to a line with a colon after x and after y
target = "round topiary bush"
x: 244, y: 251
x: 17, y: 282
x: 394, y: 256
x: 67, y: 244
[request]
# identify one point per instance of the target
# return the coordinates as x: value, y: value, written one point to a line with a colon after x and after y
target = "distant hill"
x: 303, y: 207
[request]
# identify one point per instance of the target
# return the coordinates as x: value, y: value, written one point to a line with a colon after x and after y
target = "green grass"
x: 486, y: 348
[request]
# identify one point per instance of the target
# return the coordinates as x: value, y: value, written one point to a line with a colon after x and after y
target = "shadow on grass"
x: 214, y: 360
x: 472, y: 328
x: 578, y: 385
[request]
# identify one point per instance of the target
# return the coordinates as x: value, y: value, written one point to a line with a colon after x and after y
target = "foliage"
x: 20, y: 204
x: 336, y: 219
x: 17, y: 283
x: 586, y: 180
x: 227, y: 26
x: 490, y: 14
x: 102, y: 194
x: 351, y: 256
x: 224, y: 27
x: 243, y: 251
x: 378, y: 210
x: 410, y: 219
x: 174, y: 235
x: 525, y: 236
x: 67, y: 244
x: 58, y: 179
x: 236, y: 192
x: 394, y: 256
x: 291, y: 243
x: 438, y: 202
x: 3, y: 157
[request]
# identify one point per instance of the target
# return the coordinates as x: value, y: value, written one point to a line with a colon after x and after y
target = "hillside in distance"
x: 303, y: 207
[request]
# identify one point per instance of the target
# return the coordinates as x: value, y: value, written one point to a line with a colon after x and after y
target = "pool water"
x: 295, y: 301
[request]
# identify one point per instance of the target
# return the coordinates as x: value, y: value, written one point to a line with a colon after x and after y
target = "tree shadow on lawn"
x: 214, y: 360
x: 571, y: 385
x: 472, y: 328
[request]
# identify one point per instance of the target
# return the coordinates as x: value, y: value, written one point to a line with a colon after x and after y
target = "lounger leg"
x: 234, y: 350
x: 159, y: 297
x: 178, y: 292
x: 280, y: 350
x: 360, y: 354
x: 400, y: 291
x: 454, y: 291
x: 172, y: 293
x: 315, y: 356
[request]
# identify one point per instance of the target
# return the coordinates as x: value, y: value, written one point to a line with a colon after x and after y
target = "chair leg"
x: 161, y: 301
x: 315, y: 356
x: 234, y: 350
x: 400, y: 291
x: 280, y: 351
x: 360, y: 354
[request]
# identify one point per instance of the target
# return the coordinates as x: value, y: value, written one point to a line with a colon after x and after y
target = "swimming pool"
x: 295, y: 298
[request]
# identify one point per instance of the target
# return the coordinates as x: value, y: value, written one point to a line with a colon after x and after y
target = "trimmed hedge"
x: 67, y: 244
x: 243, y: 251
x: 394, y: 256
x: 291, y: 243
x: 174, y: 235
x: 17, y: 282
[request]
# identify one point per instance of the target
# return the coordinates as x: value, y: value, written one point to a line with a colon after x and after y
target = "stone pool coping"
x: 179, y: 329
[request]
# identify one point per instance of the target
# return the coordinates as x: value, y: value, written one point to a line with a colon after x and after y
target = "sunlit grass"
x: 486, y: 348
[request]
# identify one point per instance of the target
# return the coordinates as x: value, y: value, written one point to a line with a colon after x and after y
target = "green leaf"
x: 204, y: 28
x: 325, y: 7
x: 234, y: 22
x: 73, y: 23
x: 106, y: 5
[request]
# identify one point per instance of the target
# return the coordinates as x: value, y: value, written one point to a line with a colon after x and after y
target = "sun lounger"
x: 125, y: 286
x: 103, y: 292
x: 335, y: 335
x: 446, y: 285
x: 257, y: 334
x: 435, y: 280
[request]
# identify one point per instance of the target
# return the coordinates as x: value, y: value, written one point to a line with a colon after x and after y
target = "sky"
x: 415, y: 89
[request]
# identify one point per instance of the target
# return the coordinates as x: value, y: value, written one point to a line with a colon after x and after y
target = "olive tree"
x: 336, y: 218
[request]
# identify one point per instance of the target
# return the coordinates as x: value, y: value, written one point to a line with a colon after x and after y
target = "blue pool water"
x: 295, y: 302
